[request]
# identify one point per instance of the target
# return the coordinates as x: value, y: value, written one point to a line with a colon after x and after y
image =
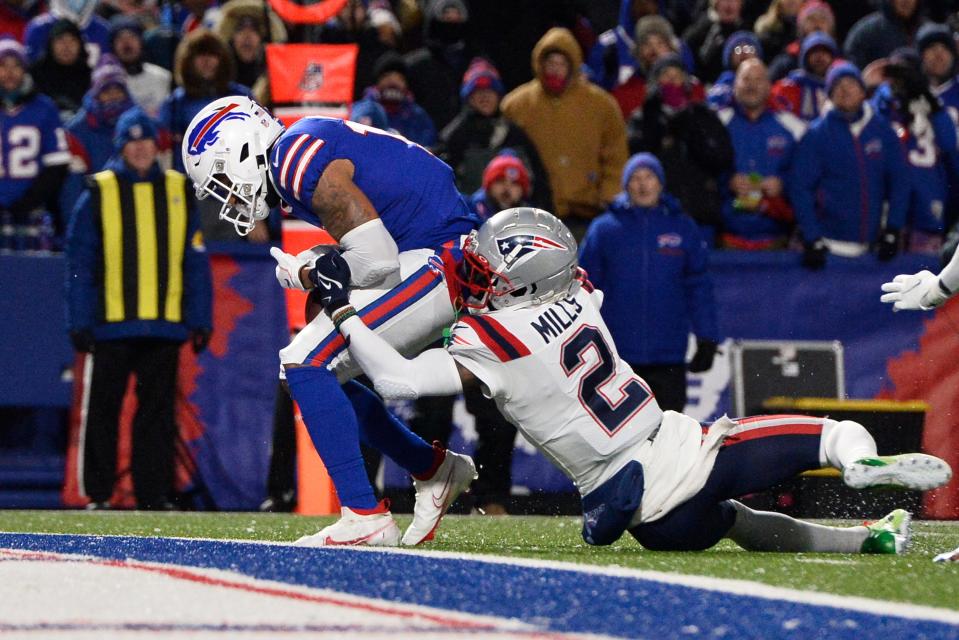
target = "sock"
x: 769, y: 531
x: 385, y: 432
x: 334, y: 430
x: 843, y: 443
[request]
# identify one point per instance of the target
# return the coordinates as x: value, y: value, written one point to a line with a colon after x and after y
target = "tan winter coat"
x: 580, y: 134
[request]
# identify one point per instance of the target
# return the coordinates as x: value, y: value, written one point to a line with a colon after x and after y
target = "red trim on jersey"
x: 497, y: 338
x: 288, y: 160
x: 780, y: 430
x: 304, y: 163
x: 485, y: 338
x: 515, y: 342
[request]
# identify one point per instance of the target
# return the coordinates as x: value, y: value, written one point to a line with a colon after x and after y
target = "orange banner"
x: 315, y: 13
x: 311, y: 73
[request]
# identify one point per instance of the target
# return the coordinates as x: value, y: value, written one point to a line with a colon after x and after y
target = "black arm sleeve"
x: 43, y: 191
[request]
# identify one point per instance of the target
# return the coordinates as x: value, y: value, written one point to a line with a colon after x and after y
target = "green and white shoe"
x: 889, y: 535
x: 916, y: 471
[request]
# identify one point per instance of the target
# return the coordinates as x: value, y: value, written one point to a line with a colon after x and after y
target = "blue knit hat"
x: 481, y: 74
x: 370, y: 113
x: 739, y: 39
x: 134, y: 124
x: 813, y: 40
x: 643, y: 160
x: 931, y: 33
x: 842, y: 69
x: 12, y: 47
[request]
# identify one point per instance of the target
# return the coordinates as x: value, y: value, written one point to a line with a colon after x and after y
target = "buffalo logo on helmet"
x: 512, y: 248
x: 207, y: 130
x: 312, y: 78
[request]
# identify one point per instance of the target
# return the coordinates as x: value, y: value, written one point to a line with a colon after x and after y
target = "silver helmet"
x: 518, y: 258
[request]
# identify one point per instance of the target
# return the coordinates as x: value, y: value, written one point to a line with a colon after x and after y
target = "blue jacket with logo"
x: 652, y: 266
x: 843, y: 173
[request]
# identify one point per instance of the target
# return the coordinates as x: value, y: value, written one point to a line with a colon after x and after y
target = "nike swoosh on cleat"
x: 334, y: 543
x: 444, y: 492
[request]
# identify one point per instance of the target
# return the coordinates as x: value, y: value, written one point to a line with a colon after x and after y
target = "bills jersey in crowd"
x: 554, y: 372
x: 31, y: 138
x: 412, y: 190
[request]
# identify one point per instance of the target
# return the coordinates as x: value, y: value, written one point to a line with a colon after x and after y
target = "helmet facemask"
x: 243, y: 201
x: 478, y: 281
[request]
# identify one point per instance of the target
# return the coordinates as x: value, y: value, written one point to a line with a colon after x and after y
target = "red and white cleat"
x: 359, y: 527
x: 435, y: 494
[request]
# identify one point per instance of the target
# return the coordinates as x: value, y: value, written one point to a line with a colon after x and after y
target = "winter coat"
x: 579, y: 134
x: 879, y: 34
x: 707, y: 38
x: 471, y: 140
x: 842, y: 175
x: 652, y: 266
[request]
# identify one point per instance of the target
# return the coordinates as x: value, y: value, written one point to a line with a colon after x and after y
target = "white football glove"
x: 919, y: 291
x: 288, y: 269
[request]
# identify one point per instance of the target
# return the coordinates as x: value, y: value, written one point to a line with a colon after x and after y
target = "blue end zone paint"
x: 553, y: 599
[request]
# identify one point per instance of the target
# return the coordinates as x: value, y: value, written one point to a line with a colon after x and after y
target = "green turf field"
x: 910, y: 578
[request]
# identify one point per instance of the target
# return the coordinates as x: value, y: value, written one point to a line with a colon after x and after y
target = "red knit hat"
x: 509, y: 167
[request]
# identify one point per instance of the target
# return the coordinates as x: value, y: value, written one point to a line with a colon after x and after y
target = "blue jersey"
x: 96, y: 37
x: 412, y: 190
x: 30, y: 140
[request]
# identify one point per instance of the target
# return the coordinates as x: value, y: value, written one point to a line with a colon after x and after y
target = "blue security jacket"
x: 843, y: 173
x: 84, y: 284
x: 651, y: 264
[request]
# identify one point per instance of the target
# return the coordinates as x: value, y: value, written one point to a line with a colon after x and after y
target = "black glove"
x: 703, y: 358
x: 82, y: 340
x: 888, y: 245
x: 814, y: 254
x: 331, y: 281
x: 200, y: 339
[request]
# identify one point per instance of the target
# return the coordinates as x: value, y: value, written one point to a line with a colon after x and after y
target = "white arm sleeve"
x: 371, y: 252
x: 432, y: 373
x: 949, y: 276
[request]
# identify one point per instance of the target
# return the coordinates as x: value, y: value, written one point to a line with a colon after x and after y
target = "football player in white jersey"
x: 534, y: 338
x: 924, y: 290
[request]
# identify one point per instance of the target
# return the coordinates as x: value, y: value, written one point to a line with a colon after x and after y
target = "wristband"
x: 341, y: 315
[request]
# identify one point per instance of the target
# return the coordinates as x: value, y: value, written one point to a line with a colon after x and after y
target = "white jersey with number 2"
x: 554, y: 372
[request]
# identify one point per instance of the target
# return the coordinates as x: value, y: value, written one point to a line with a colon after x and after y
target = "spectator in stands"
x: 676, y: 125
x: 654, y: 39
x: 243, y: 26
x: 849, y: 165
x: 149, y: 84
x: 815, y: 16
x: 92, y: 30
x: 30, y: 121
x: 370, y: 113
x: 880, y: 33
x: 929, y: 136
x: 576, y: 127
x: 937, y: 49
x: 62, y: 71
x: 14, y: 15
x: 90, y: 131
x: 741, y: 46
x: 756, y: 215
x: 353, y: 24
x: 803, y: 91
x: 437, y: 67
x: 479, y: 132
x: 613, y: 60
x: 130, y: 310
x: 707, y: 36
x: 650, y: 260
x: 506, y: 184
x: 204, y: 72
x: 186, y: 16
x: 391, y: 90
x: 777, y: 27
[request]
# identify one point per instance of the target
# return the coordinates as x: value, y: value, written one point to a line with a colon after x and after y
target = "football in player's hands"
x: 916, y: 291
x: 331, y: 278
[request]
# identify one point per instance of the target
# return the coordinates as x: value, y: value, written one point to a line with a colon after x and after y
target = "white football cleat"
x: 373, y: 527
x: 435, y: 495
x: 915, y: 471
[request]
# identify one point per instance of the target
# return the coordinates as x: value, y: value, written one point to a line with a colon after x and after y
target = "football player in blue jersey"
x: 394, y: 210
x: 33, y: 147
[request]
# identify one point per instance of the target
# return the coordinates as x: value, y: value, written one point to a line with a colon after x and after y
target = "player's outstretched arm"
x: 349, y: 216
x: 923, y: 290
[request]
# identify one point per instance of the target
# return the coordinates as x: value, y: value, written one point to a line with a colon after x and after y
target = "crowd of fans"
x: 825, y: 126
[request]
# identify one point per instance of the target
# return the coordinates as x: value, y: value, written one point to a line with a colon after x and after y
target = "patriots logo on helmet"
x: 513, y: 248
x: 207, y: 130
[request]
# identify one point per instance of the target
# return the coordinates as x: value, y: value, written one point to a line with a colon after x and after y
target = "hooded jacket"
x: 579, y: 134
x: 235, y: 11
x: 842, y: 175
x: 66, y: 85
x: 880, y: 33
x: 651, y: 264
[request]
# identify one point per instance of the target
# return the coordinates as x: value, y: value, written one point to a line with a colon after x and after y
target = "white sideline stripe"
x: 708, y: 583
